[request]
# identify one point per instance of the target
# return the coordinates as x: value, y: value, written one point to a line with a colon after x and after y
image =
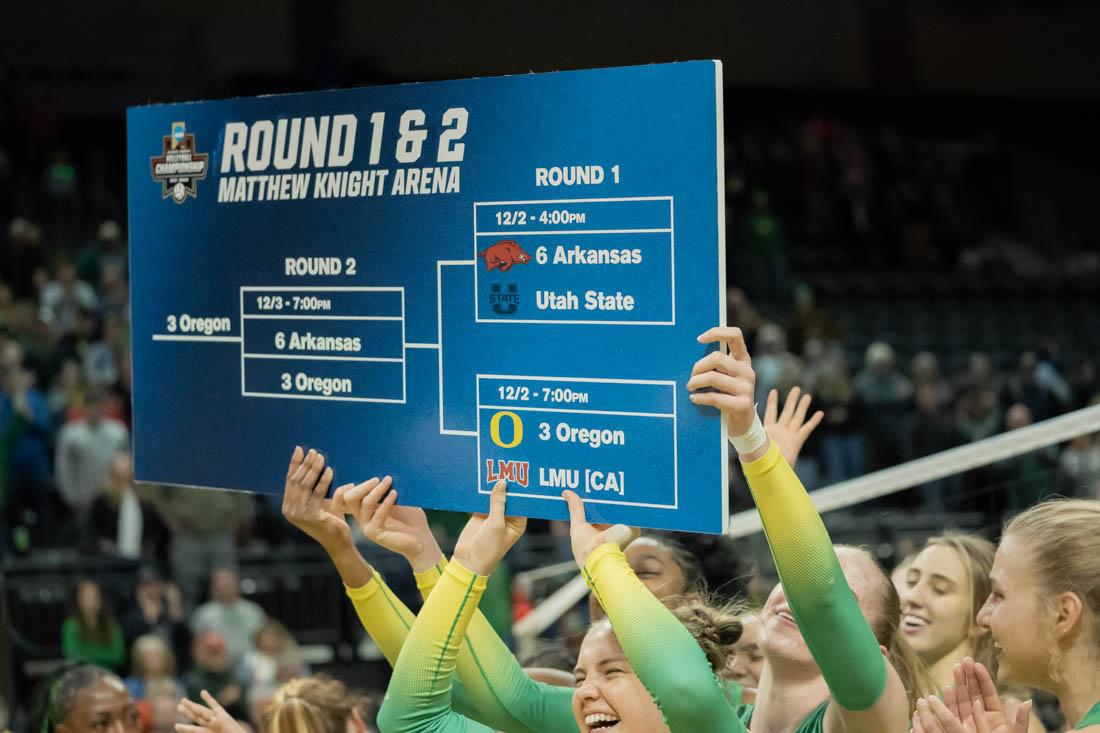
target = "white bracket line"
x: 439, y: 265
x: 409, y: 345
x: 186, y: 337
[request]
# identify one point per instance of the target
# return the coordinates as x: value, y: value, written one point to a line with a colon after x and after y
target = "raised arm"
x: 491, y: 687
x: 384, y: 617
x: 502, y: 692
x: 419, y: 695
x: 869, y: 694
x: 663, y: 654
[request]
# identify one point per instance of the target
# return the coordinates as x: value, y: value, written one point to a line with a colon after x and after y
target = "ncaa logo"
x: 179, y: 166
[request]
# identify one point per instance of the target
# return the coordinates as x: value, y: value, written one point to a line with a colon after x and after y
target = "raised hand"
x: 211, y: 719
x: 729, y: 375
x: 790, y: 428
x: 488, y: 537
x: 304, y: 503
x: 400, y: 529
x: 586, y: 537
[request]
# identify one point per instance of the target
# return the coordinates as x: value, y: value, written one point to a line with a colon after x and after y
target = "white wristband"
x: 752, y: 439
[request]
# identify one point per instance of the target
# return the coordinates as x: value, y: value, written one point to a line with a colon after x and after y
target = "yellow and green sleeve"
x: 675, y: 671
x: 387, y: 620
x: 418, y: 699
x: 496, y: 686
x: 837, y: 634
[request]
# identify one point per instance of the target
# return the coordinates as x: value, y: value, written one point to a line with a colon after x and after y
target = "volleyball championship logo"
x: 179, y: 166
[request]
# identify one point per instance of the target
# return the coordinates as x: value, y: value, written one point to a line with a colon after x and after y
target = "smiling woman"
x: 1044, y: 608
x: 945, y: 585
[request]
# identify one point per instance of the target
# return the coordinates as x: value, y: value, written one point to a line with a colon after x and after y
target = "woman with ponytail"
x: 943, y: 588
x: 1043, y: 614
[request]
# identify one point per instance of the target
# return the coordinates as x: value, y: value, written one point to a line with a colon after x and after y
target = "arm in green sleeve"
x: 384, y: 617
x: 418, y: 699
x: 675, y: 671
x: 387, y: 620
x: 502, y: 694
x: 837, y: 634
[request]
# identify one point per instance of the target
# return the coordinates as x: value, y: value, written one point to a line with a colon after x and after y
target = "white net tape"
x: 846, y: 493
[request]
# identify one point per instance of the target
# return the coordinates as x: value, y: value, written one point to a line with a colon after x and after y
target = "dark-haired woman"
x: 90, y: 634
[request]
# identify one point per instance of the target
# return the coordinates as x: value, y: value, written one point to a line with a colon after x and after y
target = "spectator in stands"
x: 979, y: 413
x: 24, y: 261
x: 1079, y: 468
x: 106, y: 250
x: 14, y: 411
x: 776, y: 367
x: 883, y: 395
x: 929, y: 430
x: 234, y: 618
x: 1084, y: 381
x: 925, y: 370
x: 212, y: 670
x: 153, y: 670
x: 116, y: 293
x: 1028, y: 475
x: 85, y: 450
x: 204, y: 525
x: 809, y: 322
x: 25, y: 423
x: 63, y: 298
x: 1025, y: 388
x: 123, y: 525
x: 763, y: 236
x: 157, y: 610
x: 67, y: 390
x: 979, y: 374
x: 90, y: 634
x: 274, y: 659
x: 86, y: 342
x: 841, y: 439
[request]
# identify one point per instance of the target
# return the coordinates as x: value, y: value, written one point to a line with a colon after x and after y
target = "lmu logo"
x: 511, y: 471
x: 504, y: 303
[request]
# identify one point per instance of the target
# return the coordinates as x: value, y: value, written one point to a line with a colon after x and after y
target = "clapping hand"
x: 971, y: 705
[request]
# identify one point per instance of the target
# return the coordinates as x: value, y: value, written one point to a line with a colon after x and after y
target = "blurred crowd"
x: 879, y: 412
x: 66, y: 476
x: 227, y: 646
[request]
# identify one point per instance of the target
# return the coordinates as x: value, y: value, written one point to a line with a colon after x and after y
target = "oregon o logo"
x: 517, y: 429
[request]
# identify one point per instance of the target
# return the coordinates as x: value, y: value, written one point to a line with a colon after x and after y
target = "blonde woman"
x: 1043, y: 614
x: 316, y: 704
x: 943, y: 588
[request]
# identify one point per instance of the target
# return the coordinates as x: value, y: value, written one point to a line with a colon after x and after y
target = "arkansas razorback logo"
x: 502, y: 255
